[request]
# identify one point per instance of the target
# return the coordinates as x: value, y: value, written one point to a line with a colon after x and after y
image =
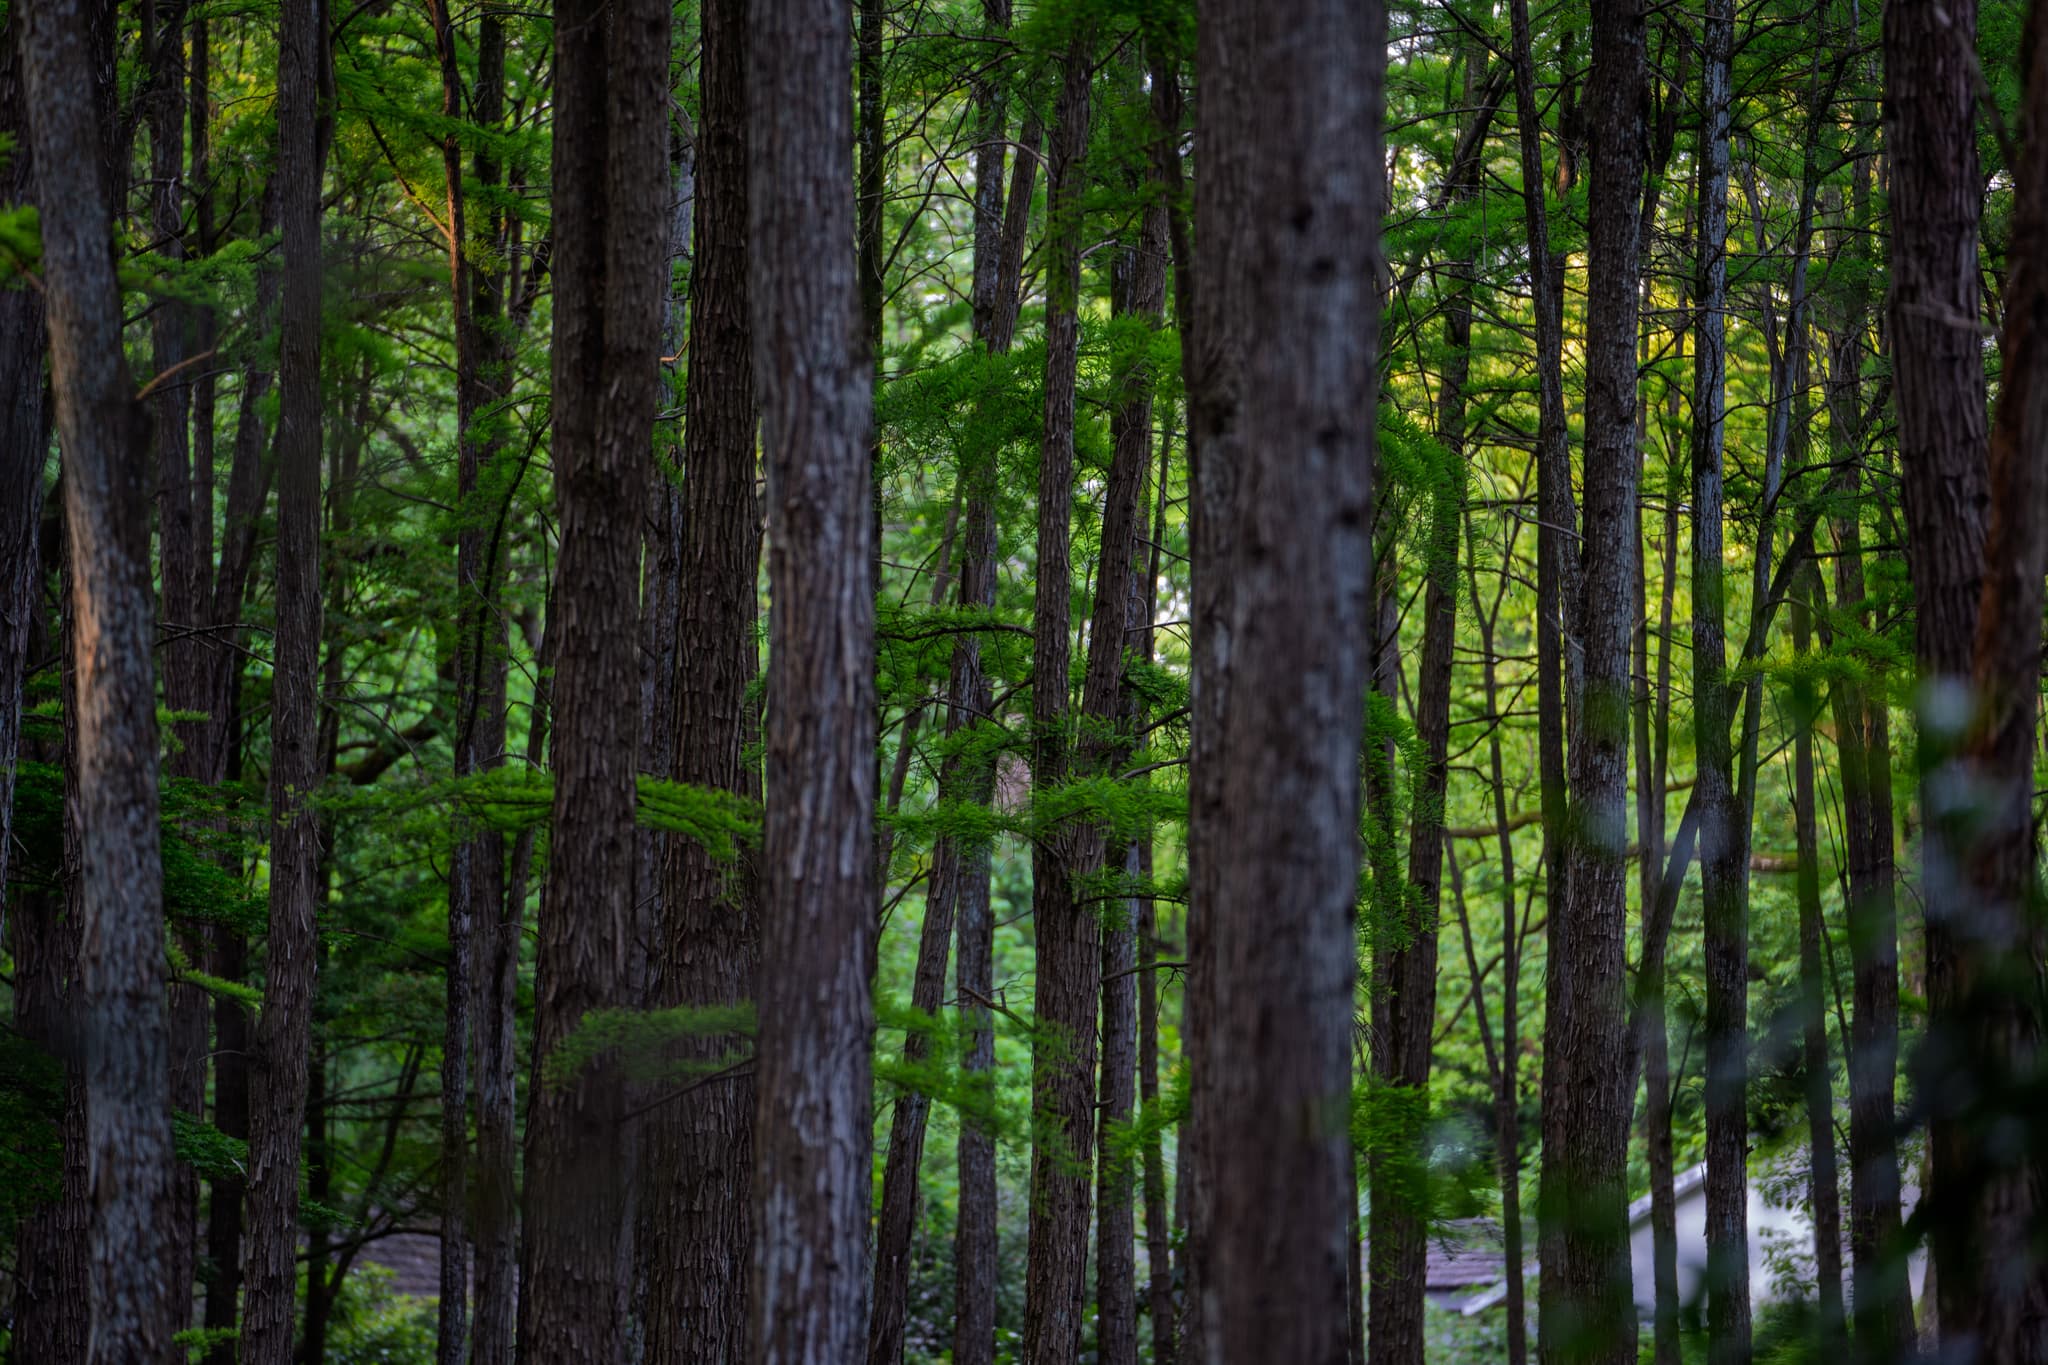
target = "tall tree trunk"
x: 610, y: 240
x: 1281, y: 377
x: 1556, y: 571
x: 52, y: 1294
x: 1938, y: 377
x: 476, y: 865
x: 24, y: 448
x: 1507, y: 1083
x: 1587, y: 1312
x: 135, y: 1305
x: 711, y: 936
x: 1880, y: 1300
x: 999, y: 231
x: 1823, y: 1184
x: 1122, y: 614
x: 1723, y: 821
x: 1995, y: 1018
x: 1065, y: 986
x: 1400, y: 1211
x: 812, y: 1120
x: 1158, y: 1231
x: 278, y: 1077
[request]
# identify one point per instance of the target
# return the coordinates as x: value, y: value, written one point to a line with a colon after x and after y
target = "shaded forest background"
x: 1432, y: 617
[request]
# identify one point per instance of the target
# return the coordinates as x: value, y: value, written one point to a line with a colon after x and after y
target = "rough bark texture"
x: 1938, y: 381
x: 812, y: 1119
x: 135, y: 1304
x: 2000, y: 1287
x: 1281, y: 376
x: 278, y: 1077
x: 1120, y: 620
x: 1723, y: 820
x: 711, y: 936
x: 610, y: 252
x: 997, y: 265
x: 1066, y: 984
x: 1587, y: 1311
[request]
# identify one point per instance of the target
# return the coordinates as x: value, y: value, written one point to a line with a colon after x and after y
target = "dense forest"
x: 1215, y: 681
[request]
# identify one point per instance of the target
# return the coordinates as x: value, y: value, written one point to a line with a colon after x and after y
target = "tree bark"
x: 1723, y: 821
x: 1997, y: 946
x: 1823, y: 1183
x: 1587, y: 1312
x: 135, y: 1304
x: 1881, y: 1306
x: 1938, y: 380
x: 24, y: 449
x: 999, y: 231
x: 711, y: 935
x: 278, y: 1077
x: 1121, y: 620
x: 1400, y: 1210
x: 610, y: 253
x: 1066, y: 985
x: 812, y: 1120
x: 1281, y: 376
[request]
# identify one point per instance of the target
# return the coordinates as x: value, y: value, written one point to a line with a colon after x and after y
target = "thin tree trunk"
x: 24, y: 450
x: 1281, y: 376
x: 476, y: 865
x: 278, y: 1076
x: 1587, y: 1312
x: 999, y: 231
x: 1400, y: 1211
x: 1158, y: 1232
x: 812, y: 1121
x: 1065, y: 986
x: 1723, y: 841
x: 135, y: 1305
x: 1823, y: 1184
x: 1556, y: 569
x: 1120, y: 620
x: 1880, y: 1302
x: 1507, y: 1083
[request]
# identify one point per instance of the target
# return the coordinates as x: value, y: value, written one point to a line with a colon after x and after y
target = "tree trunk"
x: 610, y: 240
x: 1065, y: 986
x: 24, y: 449
x: 1938, y: 379
x: 1587, y: 1312
x: 999, y: 231
x: 1400, y: 1214
x: 1120, y: 621
x: 135, y: 1304
x: 812, y: 1121
x: 711, y: 934
x: 1556, y: 572
x: 1881, y: 1305
x: 1723, y: 841
x: 1281, y: 375
x: 1998, y: 945
x: 1507, y: 1100
x: 1823, y: 1184
x: 278, y: 1077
